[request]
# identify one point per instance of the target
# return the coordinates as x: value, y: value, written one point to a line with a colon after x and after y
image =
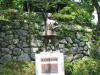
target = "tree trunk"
x: 97, y: 6
x: 98, y: 25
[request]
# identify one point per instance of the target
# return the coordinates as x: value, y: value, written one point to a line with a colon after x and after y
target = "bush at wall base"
x: 86, y: 67
x: 68, y: 67
x: 17, y: 68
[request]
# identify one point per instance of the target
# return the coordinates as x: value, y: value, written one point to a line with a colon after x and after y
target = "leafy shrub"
x: 68, y: 68
x: 17, y: 68
x: 95, y: 51
x: 87, y: 67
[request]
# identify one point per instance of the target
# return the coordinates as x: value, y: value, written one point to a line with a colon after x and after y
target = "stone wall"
x: 77, y: 42
x: 15, y: 43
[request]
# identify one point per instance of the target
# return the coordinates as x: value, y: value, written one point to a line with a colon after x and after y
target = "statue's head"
x: 49, y: 15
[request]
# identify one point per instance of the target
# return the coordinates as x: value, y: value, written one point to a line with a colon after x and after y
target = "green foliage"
x: 15, y: 4
x: 87, y: 3
x: 66, y: 14
x: 6, y: 3
x: 80, y: 67
x: 68, y: 68
x: 74, y: 13
x: 87, y: 67
x: 17, y: 68
x: 95, y: 51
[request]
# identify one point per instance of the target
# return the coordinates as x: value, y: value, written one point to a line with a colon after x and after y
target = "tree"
x: 97, y: 6
x: 91, y: 4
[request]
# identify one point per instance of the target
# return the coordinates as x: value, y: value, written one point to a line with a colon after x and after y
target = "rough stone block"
x: 24, y: 57
x: 5, y: 58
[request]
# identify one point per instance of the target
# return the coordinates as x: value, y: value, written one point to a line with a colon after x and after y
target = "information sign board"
x: 49, y: 63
